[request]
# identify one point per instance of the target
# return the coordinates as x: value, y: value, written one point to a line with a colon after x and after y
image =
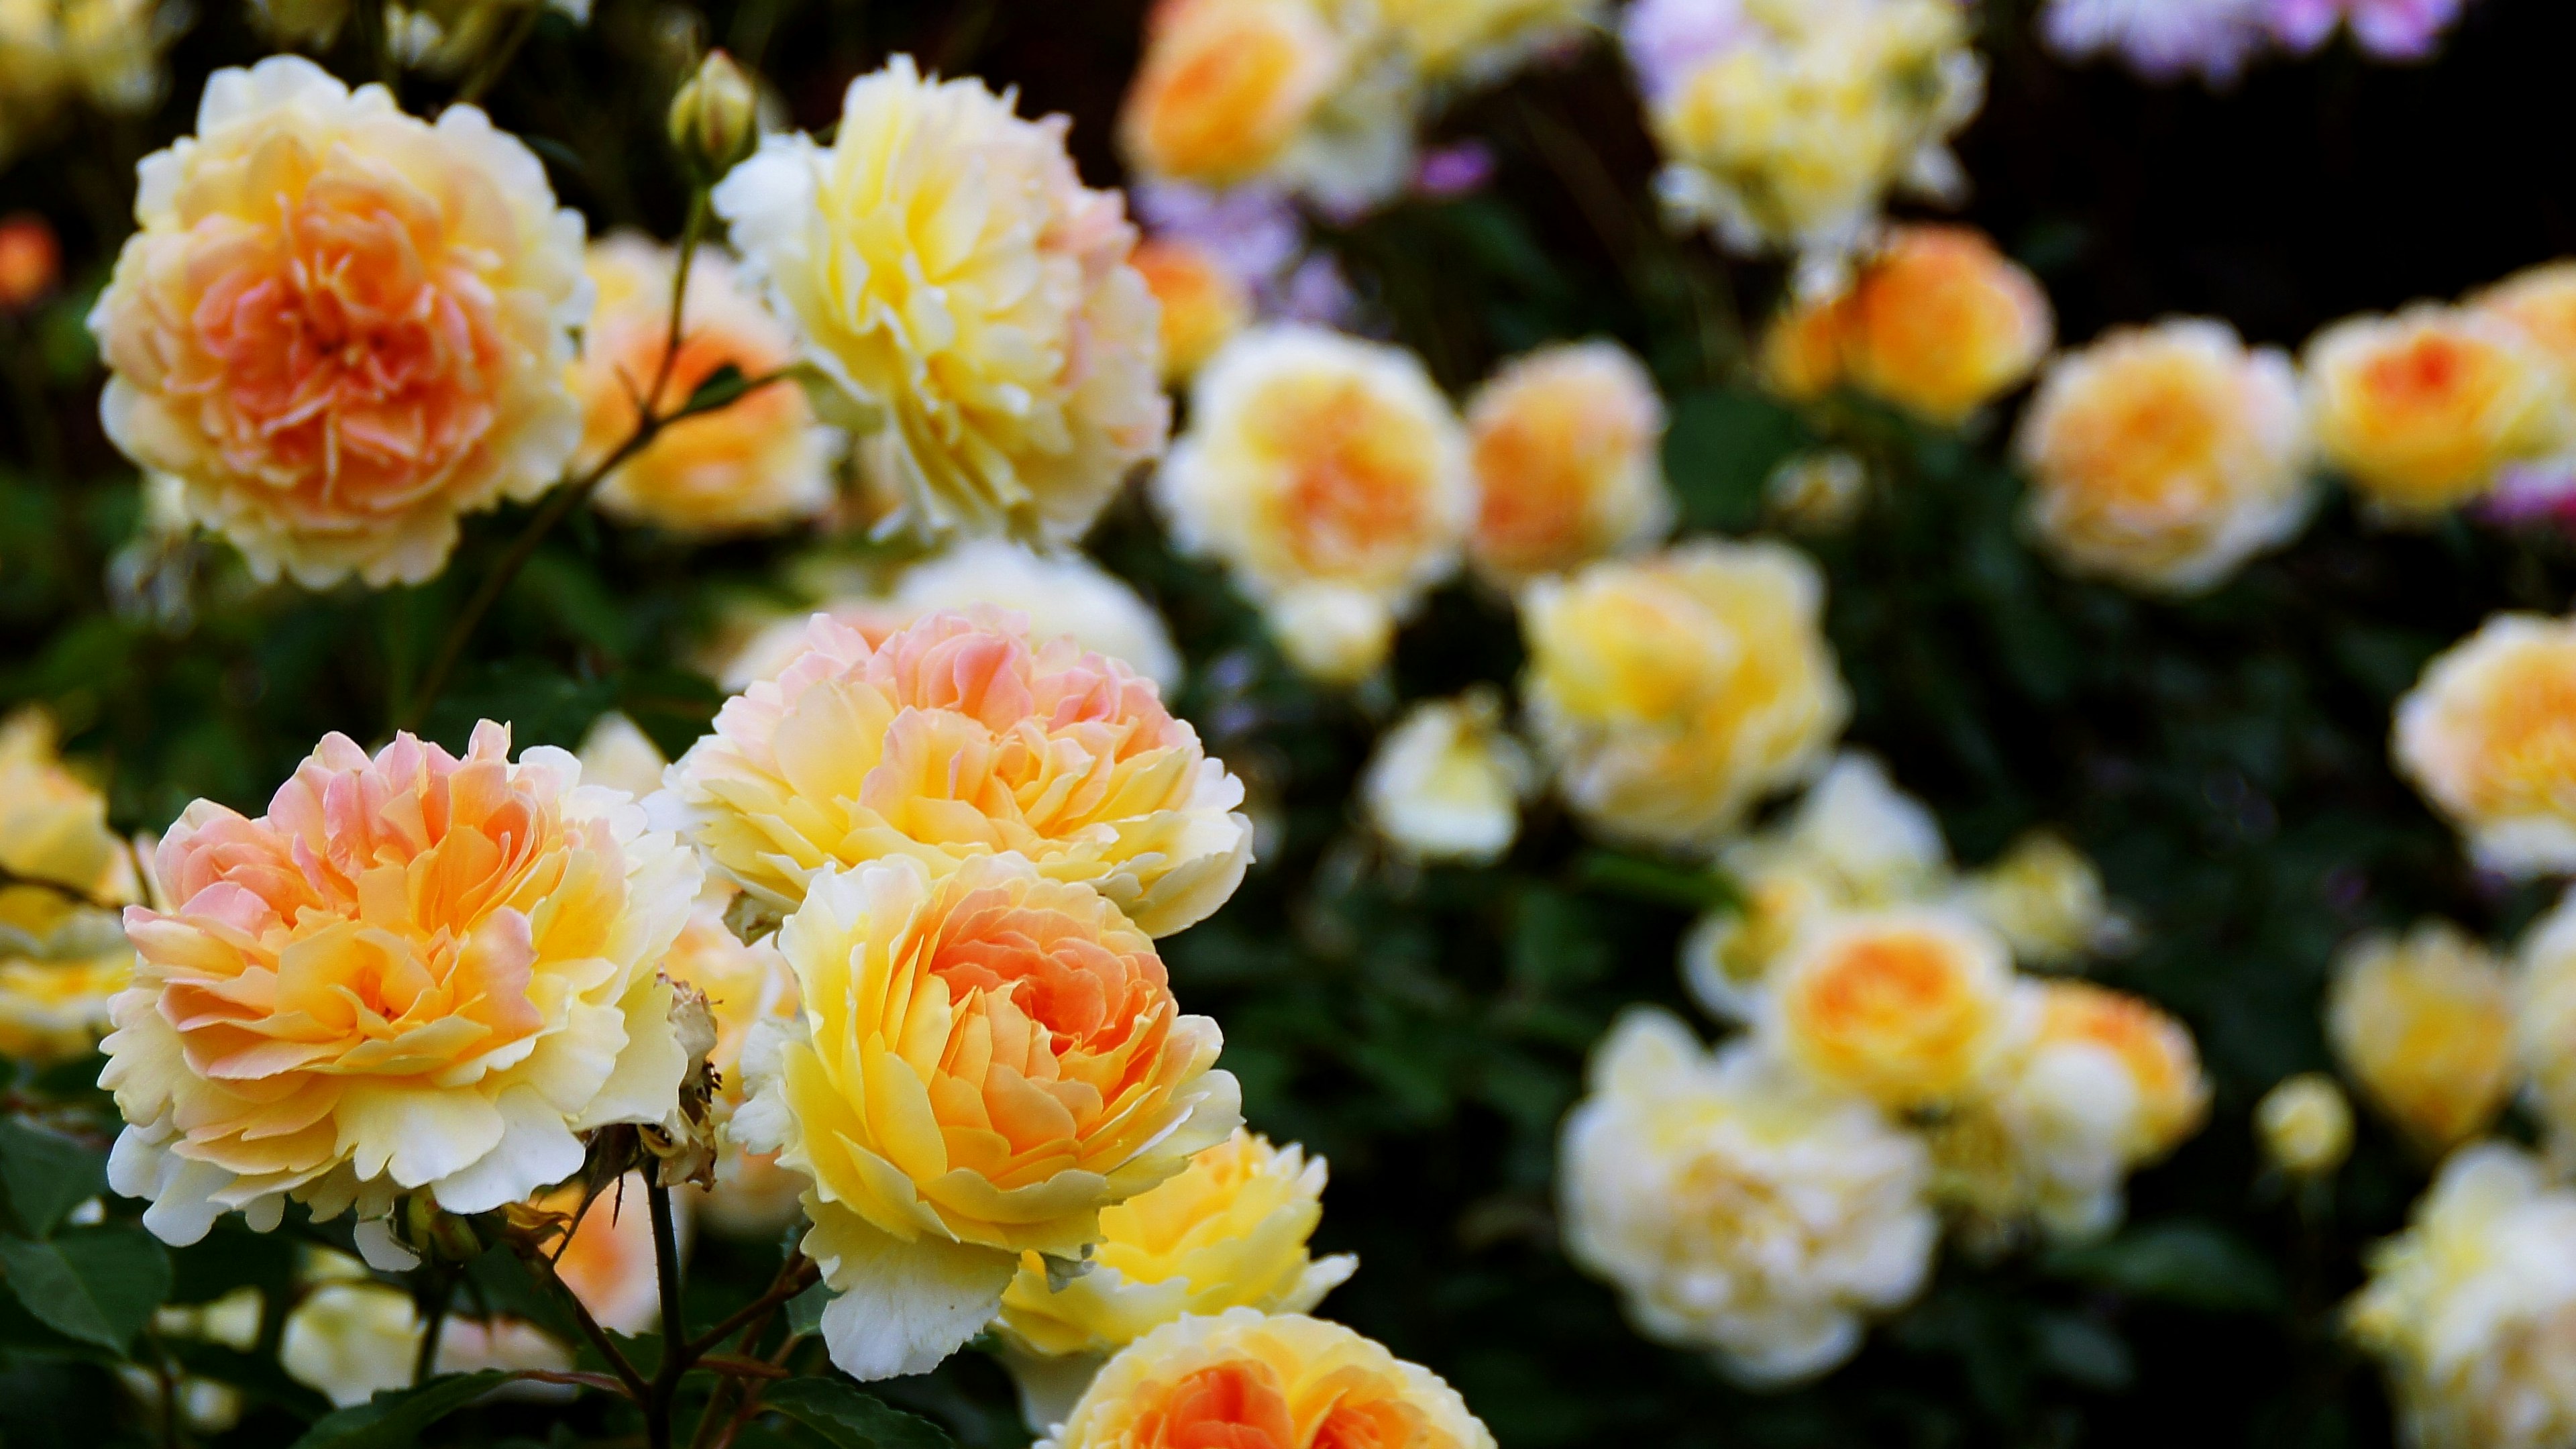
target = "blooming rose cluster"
x: 2165, y: 40
x: 1786, y: 124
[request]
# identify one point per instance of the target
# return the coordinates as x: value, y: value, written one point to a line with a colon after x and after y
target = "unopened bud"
x: 30, y: 261
x: 715, y: 119
x: 434, y: 1232
x: 2305, y: 1124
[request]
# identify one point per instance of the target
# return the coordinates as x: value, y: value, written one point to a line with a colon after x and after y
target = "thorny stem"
x: 750, y: 1404
x: 627, y: 1377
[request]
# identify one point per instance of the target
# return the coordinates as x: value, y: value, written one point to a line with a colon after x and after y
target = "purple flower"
x: 1255, y: 233
x: 1669, y: 40
x: 1447, y: 172
x: 2163, y: 40
x: 2533, y: 493
x: 2388, y: 29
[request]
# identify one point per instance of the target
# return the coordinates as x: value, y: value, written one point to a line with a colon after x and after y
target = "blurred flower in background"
x: 1451, y: 42
x: 107, y: 53
x: 1909, y: 1008
x: 2400, y: 30
x: 1935, y: 321
x: 1567, y: 445
x: 2488, y: 734
x: 2305, y: 1125
x: 2163, y: 40
x: 63, y: 875
x: 1446, y: 783
x: 2423, y: 1024
x: 2424, y: 410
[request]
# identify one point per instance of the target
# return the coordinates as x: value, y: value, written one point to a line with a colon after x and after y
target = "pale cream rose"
x: 2423, y: 409
x: 2046, y: 899
x: 2305, y: 1125
x: 617, y: 753
x: 1472, y: 42
x: 1791, y: 136
x: 1939, y: 323
x: 1229, y: 1232
x: 207, y: 1406
x: 956, y: 738
x: 762, y: 462
x: 1567, y: 444
x: 1331, y: 478
x: 1854, y: 842
x: 984, y: 1063
x: 2166, y: 456
x: 2544, y: 1021
x: 1909, y: 1007
x: 416, y: 972
x: 2488, y: 734
x: 1445, y: 784
x: 2472, y: 1310
x: 1249, y: 1380
x: 2423, y: 1024
x: 1204, y: 303
x: 351, y: 1336
x: 340, y: 327
x: 1739, y: 1210
x: 947, y: 269
x: 2104, y: 1084
x: 1673, y: 692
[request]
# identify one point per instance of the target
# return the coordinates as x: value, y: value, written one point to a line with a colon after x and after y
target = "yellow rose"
x: 2154, y: 1052
x: 957, y: 738
x: 340, y: 327
x: 761, y: 462
x: 2489, y: 736
x: 2472, y: 1310
x: 2421, y: 410
x: 1331, y: 478
x: 415, y: 972
x: 1739, y: 1209
x: 1229, y: 1232
x: 2305, y: 1125
x: 2541, y: 301
x: 2045, y: 898
x: 2165, y: 457
x: 1204, y: 304
x: 1675, y: 691
x: 1446, y: 783
x: 984, y: 1063
x: 1476, y: 41
x: 1909, y: 1008
x: 1939, y: 323
x: 947, y: 268
x: 1247, y: 1380
x: 1801, y: 357
x: 1567, y: 444
x: 2423, y: 1023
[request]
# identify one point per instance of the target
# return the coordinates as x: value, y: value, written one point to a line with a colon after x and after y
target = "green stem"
x: 676, y: 1354
x: 690, y: 232
x: 437, y: 1293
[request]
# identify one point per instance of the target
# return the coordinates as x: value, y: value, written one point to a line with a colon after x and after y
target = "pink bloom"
x: 2388, y: 29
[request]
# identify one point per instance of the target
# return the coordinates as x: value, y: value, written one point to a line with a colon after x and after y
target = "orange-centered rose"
x: 1245, y: 1380
x: 1227, y: 87
x: 983, y: 1063
x: 2489, y: 735
x: 416, y: 971
x: 2422, y: 409
x: 339, y: 326
x: 956, y: 738
x: 1909, y: 1008
x: 1567, y: 446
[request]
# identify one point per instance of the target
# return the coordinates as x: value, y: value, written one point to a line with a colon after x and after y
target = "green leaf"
x: 96, y: 1285
x: 43, y: 1175
x: 2192, y: 1264
x: 394, y: 1418
x: 718, y: 388
x: 1720, y: 451
x: 848, y: 1419
x: 1682, y: 887
x: 805, y: 1310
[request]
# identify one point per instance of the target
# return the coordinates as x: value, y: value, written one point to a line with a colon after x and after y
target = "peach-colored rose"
x: 2421, y: 410
x: 1227, y: 86
x: 759, y: 463
x: 956, y: 738
x: 1204, y: 304
x: 31, y: 261
x: 1909, y: 1008
x: 340, y: 327
x: 1567, y: 444
x: 1939, y: 322
x: 415, y: 972
x: 984, y: 1062
x: 2489, y: 735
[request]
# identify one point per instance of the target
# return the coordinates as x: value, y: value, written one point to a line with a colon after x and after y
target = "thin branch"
x: 797, y: 1275
x: 675, y: 1354
x: 498, y: 58
x: 628, y: 1379
x: 794, y: 1276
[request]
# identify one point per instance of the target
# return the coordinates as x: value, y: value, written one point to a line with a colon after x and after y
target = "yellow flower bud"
x: 2306, y: 1125
x: 715, y: 118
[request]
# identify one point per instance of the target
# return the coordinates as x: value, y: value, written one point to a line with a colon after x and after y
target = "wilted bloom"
x: 1474, y: 41
x: 1820, y: 490
x: 2104, y: 1083
x: 954, y: 739
x: 1909, y: 1008
x: 984, y: 1062
x: 2045, y: 898
x: 415, y: 972
x: 2164, y: 40
x: 1738, y: 1210
x: 2388, y: 29
x: 1205, y: 303
x: 1331, y: 478
x: 2166, y: 456
x: 1446, y: 782
x: 1075, y: 598
x: 1784, y: 127
x: 745, y: 985
x: 759, y: 462
x: 2472, y: 1310
x: 2305, y: 1125
x: 1672, y: 692
x: 31, y: 261
x: 2489, y: 735
x: 1229, y: 1232
x: 1855, y: 842
x: 2424, y: 409
x: 2423, y: 1024
x: 1936, y: 322
x: 341, y: 327
x: 1248, y: 1380
x: 1567, y: 443
x: 948, y: 270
